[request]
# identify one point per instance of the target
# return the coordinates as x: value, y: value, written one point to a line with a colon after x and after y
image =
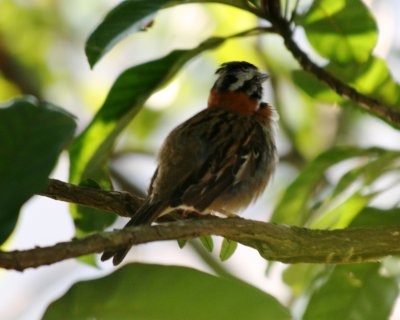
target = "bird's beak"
x: 263, y: 76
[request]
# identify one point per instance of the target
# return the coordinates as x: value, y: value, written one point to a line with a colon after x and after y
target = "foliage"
x: 33, y: 133
x: 147, y: 301
x: 28, y: 153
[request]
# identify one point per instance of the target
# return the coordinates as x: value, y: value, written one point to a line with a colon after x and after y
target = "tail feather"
x: 146, y: 214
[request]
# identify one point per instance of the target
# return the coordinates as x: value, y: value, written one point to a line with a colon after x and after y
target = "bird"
x: 218, y: 161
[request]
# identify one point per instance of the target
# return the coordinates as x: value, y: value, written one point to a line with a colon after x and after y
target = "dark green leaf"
x: 128, y: 16
x: 207, y: 242
x: 139, y: 291
x: 314, y: 88
x: 228, y: 249
x: 88, y: 219
x: 376, y: 217
x: 181, y: 243
x: 353, y: 292
x: 341, y: 30
x: 90, y: 183
x: 293, y: 208
x: 132, y: 16
x: 90, y: 151
x: 32, y: 135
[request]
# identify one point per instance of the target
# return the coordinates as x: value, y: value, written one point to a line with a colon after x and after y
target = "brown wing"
x: 206, y: 159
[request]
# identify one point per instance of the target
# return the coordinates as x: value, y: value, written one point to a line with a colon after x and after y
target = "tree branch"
x: 274, y: 242
x: 120, y: 203
x: 281, y: 26
x: 12, y: 69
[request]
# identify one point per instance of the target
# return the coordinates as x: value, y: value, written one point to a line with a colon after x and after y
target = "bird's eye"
x: 228, y: 80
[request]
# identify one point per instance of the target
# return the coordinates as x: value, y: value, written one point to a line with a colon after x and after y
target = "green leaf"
x: 127, y: 17
x: 181, y: 243
x: 376, y: 217
x: 302, y: 276
x: 132, y: 16
x: 88, y: 219
x: 331, y: 29
x: 207, y: 242
x: 367, y: 172
x: 32, y: 135
x: 337, y: 212
x: 293, y: 208
x: 314, y: 88
x: 228, y: 248
x: 372, y: 77
x: 353, y: 292
x: 89, y: 152
x: 139, y: 291
x: 344, y: 213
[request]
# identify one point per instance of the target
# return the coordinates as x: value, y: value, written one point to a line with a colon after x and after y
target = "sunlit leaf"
x: 367, y: 172
x: 344, y: 213
x: 293, y: 206
x: 139, y: 291
x: 341, y: 30
x: 338, y: 211
x: 372, y: 77
x: 228, y: 248
x: 90, y: 151
x: 32, y: 135
x: 353, y: 292
x: 132, y: 16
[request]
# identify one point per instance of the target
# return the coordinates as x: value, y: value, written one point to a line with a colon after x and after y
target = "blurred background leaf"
x: 133, y: 16
x: 353, y: 292
x: 128, y: 16
x: 333, y: 33
x: 32, y: 136
x: 165, y: 292
x: 304, y: 195
x: 375, y: 217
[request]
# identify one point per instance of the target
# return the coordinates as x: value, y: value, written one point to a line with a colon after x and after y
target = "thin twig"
x: 121, y: 203
x: 280, y: 25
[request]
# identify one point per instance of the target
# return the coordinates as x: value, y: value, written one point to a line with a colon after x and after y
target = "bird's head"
x: 238, y: 87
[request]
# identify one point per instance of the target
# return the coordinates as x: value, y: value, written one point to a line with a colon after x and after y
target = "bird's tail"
x: 146, y: 214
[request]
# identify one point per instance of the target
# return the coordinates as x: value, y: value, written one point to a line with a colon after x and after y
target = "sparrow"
x: 219, y: 160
